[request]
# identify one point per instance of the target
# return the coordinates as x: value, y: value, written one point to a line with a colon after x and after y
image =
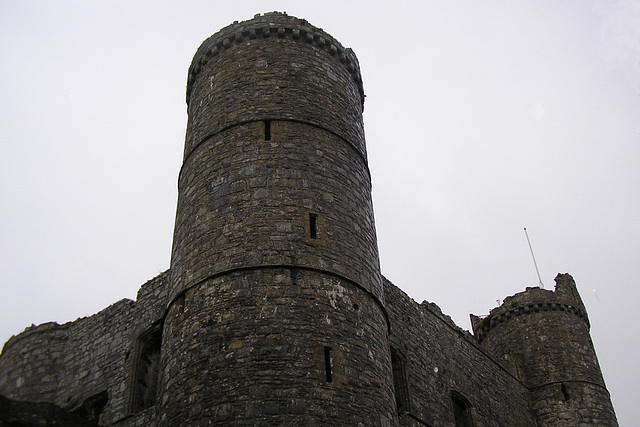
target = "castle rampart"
x: 274, y: 311
x: 449, y: 362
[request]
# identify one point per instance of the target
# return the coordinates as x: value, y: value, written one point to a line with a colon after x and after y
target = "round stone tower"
x: 275, y: 311
x: 543, y: 338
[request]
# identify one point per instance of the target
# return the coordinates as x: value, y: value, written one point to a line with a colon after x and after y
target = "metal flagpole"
x: 534, y: 258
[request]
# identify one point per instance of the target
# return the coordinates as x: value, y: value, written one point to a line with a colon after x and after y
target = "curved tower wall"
x: 30, y: 370
x: 244, y: 201
x: 543, y: 338
x: 275, y: 310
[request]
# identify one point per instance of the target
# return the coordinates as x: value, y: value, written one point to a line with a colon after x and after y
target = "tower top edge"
x: 564, y: 297
x: 276, y: 25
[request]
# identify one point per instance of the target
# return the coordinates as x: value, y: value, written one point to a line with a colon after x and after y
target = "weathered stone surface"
x: 274, y: 311
x: 252, y: 345
x: 440, y: 358
x: 543, y: 338
x: 69, y: 364
x: 28, y: 414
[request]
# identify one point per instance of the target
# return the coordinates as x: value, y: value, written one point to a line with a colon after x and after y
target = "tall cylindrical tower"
x: 276, y: 311
x: 543, y: 338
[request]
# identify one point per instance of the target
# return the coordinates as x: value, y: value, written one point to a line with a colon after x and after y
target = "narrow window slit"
x: 565, y: 392
x: 313, y: 226
x: 180, y: 303
x: 267, y: 130
x: 327, y: 364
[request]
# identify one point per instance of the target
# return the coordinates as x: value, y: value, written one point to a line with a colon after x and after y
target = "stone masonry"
x: 274, y: 311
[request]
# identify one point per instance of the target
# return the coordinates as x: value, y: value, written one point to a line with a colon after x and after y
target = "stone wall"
x: 434, y: 361
x: 274, y: 236
x: 274, y: 310
x: 23, y: 414
x: 274, y: 135
x: 277, y: 346
x: 542, y: 337
x: 83, y: 364
x: 274, y: 66
x: 440, y: 359
x: 246, y: 202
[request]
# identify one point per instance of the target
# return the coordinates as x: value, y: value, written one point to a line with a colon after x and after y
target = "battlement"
x: 565, y: 298
x: 273, y: 24
x: 274, y: 310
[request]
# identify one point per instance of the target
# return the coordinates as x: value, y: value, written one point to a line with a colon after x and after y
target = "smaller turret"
x: 542, y: 337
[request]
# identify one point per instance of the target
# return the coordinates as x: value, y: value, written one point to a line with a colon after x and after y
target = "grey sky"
x: 481, y: 117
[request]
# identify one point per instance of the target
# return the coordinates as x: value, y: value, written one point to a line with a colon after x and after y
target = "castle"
x: 274, y: 311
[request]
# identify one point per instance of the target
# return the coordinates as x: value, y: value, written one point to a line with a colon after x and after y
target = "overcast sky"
x: 482, y: 118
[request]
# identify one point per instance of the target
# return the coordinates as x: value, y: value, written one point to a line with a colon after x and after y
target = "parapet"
x: 274, y: 67
x: 273, y: 24
x: 565, y: 297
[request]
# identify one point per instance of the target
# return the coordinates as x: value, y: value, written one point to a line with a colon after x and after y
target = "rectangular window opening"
x: 399, y: 381
x: 313, y: 226
x: 327, y: 364
x: 146, y: 369
x: 267, y: 130
x: 461, y: 411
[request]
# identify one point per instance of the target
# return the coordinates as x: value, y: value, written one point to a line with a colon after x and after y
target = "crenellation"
x: 274, y: 310
x: 301, y: 29
x: 534, y: 300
